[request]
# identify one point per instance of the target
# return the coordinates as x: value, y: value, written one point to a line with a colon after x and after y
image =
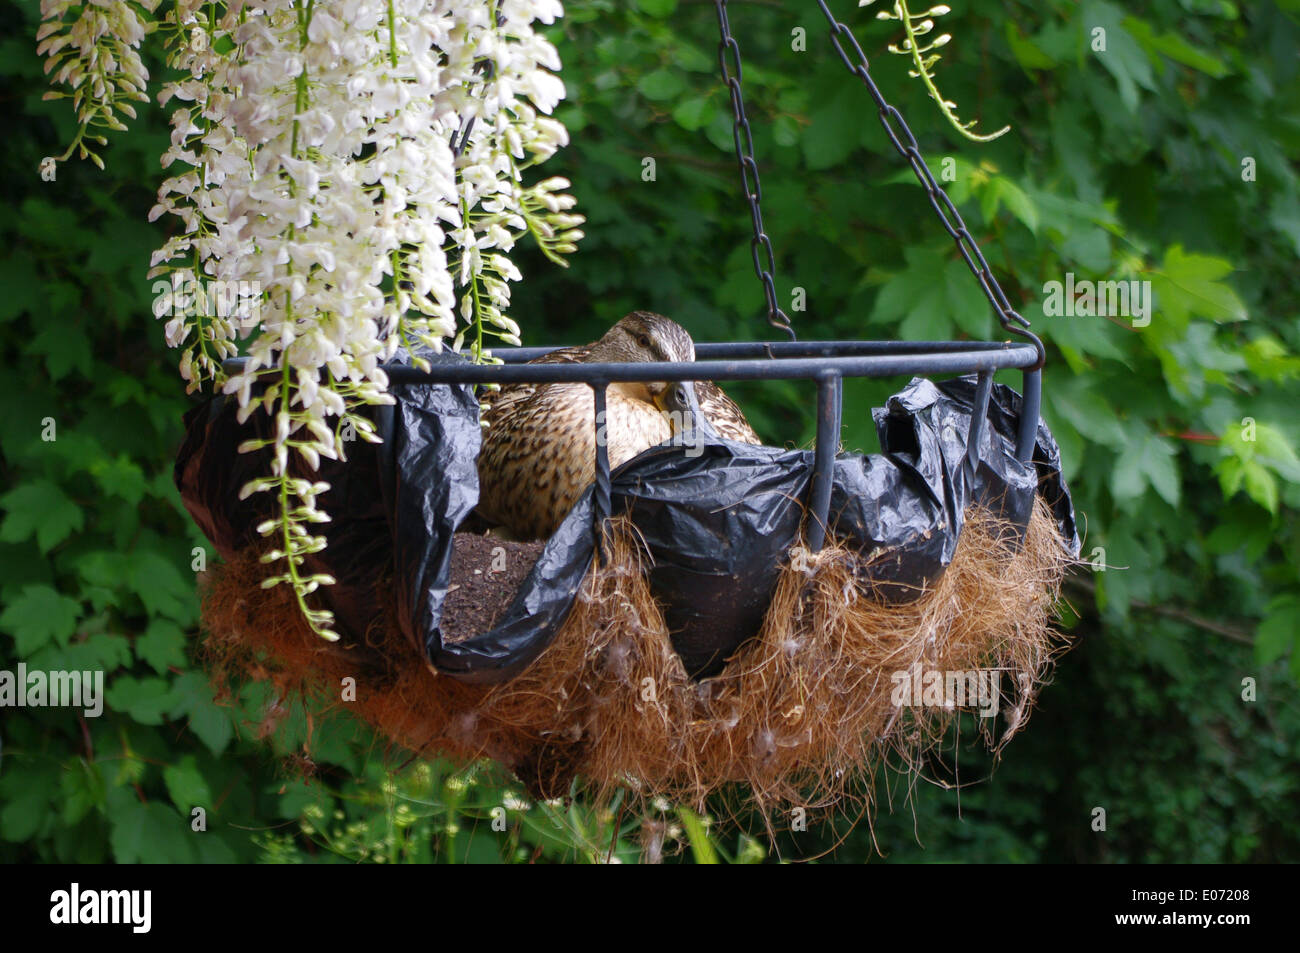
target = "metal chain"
x: 488, y: 68
x: 760, y: 245
x: 901, y: 136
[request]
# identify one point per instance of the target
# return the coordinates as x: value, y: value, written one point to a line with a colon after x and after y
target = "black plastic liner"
x: 718, y: 519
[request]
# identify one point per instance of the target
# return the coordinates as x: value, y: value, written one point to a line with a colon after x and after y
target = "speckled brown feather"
x: 723, y: 413
x: 536, y: 462
x: 538, y: 452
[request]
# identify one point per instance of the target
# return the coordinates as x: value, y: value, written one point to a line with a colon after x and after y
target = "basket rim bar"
x: 782, y: 360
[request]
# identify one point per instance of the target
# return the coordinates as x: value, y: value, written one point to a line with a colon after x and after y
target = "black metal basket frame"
x: 825, y: 362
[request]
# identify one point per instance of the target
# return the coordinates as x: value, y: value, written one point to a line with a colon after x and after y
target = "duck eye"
x: 643, y: 340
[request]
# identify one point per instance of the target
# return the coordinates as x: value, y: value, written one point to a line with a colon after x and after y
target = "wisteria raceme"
x: 311, y: 161
x: 93, y: 49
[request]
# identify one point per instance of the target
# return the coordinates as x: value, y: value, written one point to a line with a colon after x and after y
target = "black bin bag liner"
x: 1000, y: 482
x: 923, y: 433
x: 536, y: 613
x: 434, y: 439
x: 718, y: 519
x: 718, y: 527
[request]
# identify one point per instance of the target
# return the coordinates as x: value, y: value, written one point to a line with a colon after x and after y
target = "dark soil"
x: 485, y: 573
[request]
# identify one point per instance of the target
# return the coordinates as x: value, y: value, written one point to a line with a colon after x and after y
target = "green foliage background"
x: 1121, y: 164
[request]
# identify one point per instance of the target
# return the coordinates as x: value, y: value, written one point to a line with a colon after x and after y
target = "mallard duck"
x: 539, y: 451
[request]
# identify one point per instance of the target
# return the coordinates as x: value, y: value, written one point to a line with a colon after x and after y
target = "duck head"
x: 644, y: 336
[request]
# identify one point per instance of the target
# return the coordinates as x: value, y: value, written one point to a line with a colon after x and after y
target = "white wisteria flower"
x: 93, y: 49
x: 355, y: 170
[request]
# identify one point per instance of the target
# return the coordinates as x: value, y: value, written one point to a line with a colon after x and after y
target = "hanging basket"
x: 692, y: 640
x: 709, y: 613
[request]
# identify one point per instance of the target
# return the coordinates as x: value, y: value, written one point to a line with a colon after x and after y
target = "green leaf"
x: 214, y: 851
x: 208, y: 720
x: 39, y: 509
x: 38, y: 616
x: 64, y: 352
x: 1027, y: 53
x: 83, y: 789
x: 835, y: 129
x: 1147, y: 461
x: 187, y: 786
x: 1189, y: 285
x: 146, y: 700
x: 935, y: 293
x: 1232, y: 472
x: 102, y: 650
x: 657, y: 8
x: 1122, y: 57
x: 697, y: 835
x: 695, y: 113
x: 965, y: 300
x: 121, y: 477
x: 294, y: 796
x: 26, y: 809
x: 1079, y: 401
x: 916, y: 299
x: 694, y: 60
x: 661, y: 84
x: 162, y: 645
x: 162, y: 587
x: 56, y: 226
x: 1017, y: 201
x: 1080, y: 338
x: 1277, y: 633
x: 1090, y: 248
x: 148, y: 832
x: 21, y: 292
x: 1175, y: 47
x: 718, y: 132
x: 211, y: 724
x: 1267, y: 358
x: 785, y: 131
x: 1274, y: 448
x: 1260, y: 484
x: 1285, y: 217
x: 21, y: 563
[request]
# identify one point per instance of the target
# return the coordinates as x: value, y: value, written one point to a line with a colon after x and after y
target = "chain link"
x: 760, y: 245
x: 488, y: 68
x: 901, y: 136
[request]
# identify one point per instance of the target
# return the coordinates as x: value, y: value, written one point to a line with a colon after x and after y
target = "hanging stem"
x: 392, y: 34
x: 923, y: 65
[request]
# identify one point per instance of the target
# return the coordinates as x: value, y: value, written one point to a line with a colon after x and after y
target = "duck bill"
x: 678, y: 401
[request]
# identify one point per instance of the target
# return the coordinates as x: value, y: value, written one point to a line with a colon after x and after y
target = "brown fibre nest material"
x: 799, y: 714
